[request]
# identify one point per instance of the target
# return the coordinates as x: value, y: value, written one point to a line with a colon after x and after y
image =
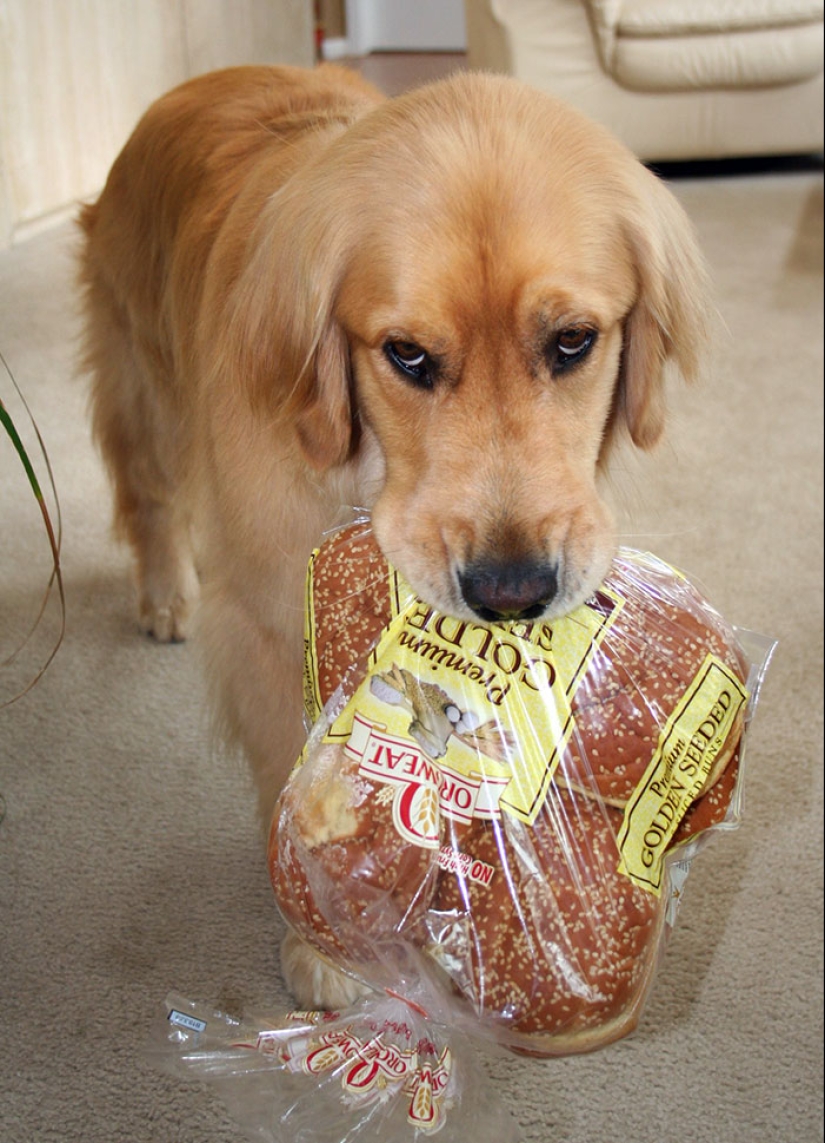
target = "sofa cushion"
x: 672, y: 45
x: 679, y: 18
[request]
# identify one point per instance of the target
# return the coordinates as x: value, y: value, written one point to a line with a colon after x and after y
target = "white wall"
x: 75, y: 75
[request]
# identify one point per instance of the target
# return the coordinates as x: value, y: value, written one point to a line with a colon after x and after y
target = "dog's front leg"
x: 254, y: 671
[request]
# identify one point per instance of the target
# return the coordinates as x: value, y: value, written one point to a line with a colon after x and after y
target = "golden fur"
x: 268, y: 242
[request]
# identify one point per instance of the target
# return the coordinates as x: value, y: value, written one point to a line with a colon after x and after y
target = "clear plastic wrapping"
x: 507, y: 799
x: 380, y: 1071
x: 490, y: 826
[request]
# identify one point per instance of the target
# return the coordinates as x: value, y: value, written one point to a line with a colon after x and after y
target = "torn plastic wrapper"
x: 379, y: 1071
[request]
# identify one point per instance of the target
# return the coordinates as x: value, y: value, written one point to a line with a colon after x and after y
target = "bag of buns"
x: 508, y: 801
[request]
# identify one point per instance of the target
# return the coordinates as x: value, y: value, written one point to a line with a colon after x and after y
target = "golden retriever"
x: 442, y: 307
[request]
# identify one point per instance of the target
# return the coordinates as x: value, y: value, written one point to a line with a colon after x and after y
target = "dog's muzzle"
x: 499, y: 592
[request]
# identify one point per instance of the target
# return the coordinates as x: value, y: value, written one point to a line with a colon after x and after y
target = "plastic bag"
x: 508, y: 799
x: 379, y: 1071
x: 491, y: 828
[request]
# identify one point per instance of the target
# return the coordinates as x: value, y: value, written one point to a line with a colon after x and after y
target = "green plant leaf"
x: 54, y: 537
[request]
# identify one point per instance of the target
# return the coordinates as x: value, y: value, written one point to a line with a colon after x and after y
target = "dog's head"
x: 480, y: 288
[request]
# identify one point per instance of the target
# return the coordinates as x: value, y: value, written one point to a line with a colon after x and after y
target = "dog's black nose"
x: 520, y: 589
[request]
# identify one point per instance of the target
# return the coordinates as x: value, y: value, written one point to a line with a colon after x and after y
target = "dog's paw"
x: 166, y: 622
x: 167, y: 604
x: 315, y: 982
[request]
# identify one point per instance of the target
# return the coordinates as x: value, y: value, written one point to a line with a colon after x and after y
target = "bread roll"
x: 650, y: 655
x: 343, y: 876
x: 558, y: 946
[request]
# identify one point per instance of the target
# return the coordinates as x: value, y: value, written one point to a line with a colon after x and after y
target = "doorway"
x: 398, y: 26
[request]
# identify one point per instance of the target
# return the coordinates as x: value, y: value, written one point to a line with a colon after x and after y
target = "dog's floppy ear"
x: 323, y: 403
x: 291, y: 355
x: 668, y: 322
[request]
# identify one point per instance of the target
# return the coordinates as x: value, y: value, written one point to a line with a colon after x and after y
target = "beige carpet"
x: 130, y: 861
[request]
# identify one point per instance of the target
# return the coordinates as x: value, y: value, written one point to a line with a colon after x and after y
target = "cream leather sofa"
x: 675, y: 79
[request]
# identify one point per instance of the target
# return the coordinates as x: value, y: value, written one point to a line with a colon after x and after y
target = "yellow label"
x: 687, y: 748
x: 312, y: 690
x: 479, y: 714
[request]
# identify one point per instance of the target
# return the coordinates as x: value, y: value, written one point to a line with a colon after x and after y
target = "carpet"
x: 130, y: 859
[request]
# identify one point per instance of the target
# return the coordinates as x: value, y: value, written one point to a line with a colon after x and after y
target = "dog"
x: 445, y: 308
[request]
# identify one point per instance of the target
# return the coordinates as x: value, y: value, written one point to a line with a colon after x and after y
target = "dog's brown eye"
x: 571, y: 345
x: 412, y: 361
